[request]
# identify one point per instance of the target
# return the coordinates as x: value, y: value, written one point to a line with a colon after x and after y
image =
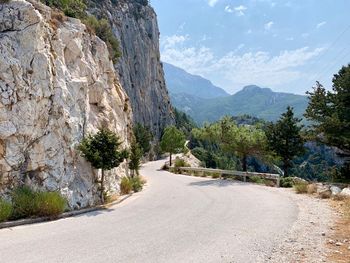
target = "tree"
x: 285, y: 140
x: 135, y: 158
x: 173, y: 141
x: 243, y: 141
x: 143, y: 137
x: 102, y: 151
x: 330, y: 112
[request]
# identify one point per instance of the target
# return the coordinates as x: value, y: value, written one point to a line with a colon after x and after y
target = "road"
x: 175, y: 219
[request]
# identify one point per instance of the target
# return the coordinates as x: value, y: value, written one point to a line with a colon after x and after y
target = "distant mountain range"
x: 179, y: 81
x: 203, y: 101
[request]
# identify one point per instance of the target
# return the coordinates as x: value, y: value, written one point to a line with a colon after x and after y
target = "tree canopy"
x: 330, y: 112
x: 173, y: 141
x: 243, y: 141
x: 102, y: 150
x: 284, y: 138
x: 143, y: 137
x: 135, y: 157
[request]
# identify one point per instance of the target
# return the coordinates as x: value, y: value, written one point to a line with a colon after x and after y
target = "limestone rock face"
x: 57, y: 85
x: 141, y: 74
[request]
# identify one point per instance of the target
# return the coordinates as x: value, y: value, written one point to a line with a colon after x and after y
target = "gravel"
x: 307, y: 239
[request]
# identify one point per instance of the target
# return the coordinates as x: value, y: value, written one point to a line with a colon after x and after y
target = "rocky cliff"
x: 57, y: 84
x: 134, y: 24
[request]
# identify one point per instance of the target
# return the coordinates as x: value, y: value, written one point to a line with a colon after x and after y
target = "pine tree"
x: 285, y: 140
x: 102, y: 151
x: 135, y: 158
x: 143, y: 137
x: 173, y: 141
x: 330, y: 112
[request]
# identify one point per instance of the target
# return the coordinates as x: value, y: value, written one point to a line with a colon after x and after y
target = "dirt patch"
x: 339, y: 241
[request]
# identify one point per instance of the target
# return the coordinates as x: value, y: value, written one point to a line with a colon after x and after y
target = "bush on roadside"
x: 301, y: 187
x: 50, y: 204
x: 129, y: 184
x: 137, y: 183
x: 180, y: 163
x: 287, y: 182
x: 24, y: 203
x: 5, y: 210
x: 29, y: 203
x: 257, y: 180
x: 125, y: 186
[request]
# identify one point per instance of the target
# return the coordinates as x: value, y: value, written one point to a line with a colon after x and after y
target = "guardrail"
x: 244, y: 175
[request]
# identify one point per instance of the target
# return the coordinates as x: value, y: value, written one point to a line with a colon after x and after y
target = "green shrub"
x: 126, y: 186
x: 28, y: 203
x: 301, y: 187
x: 50, y: 204
x: 286, y: 182
x: 103, y: 30
x: 257, y: 180
x: 24, y: 203
x: 72, y: 8
x: 5, y: 210
x: 180, y: 163
x: 137, y: 183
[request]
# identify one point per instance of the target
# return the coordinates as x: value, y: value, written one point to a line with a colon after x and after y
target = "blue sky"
x: 283, y: 45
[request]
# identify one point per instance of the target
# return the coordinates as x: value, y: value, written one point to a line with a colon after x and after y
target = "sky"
x: 280, y: 44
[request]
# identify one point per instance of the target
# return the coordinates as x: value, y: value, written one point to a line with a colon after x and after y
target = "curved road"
x: 175, y: 219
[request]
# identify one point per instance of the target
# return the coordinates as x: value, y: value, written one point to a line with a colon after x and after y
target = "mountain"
x: 181, y: 82
x: 253, y: 100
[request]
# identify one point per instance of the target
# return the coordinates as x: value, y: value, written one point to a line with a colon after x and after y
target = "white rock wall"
x: 57, y: 84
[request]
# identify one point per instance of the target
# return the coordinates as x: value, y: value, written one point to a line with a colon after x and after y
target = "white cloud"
x: 212, y: 2
x: 171, y: 41
x: 305, y: 35
x: 268, y: 25
x: 290, y: 38
x: 234, y: 70
x: 240, y: 10
x: 321, y: 24
x: 249, y: 31
x: 228, y: 9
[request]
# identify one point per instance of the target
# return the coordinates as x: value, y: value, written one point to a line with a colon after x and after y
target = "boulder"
x: 345, y: 191
x: 335, y: 190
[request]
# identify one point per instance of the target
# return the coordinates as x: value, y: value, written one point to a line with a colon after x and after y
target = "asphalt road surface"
x: 175, y: 219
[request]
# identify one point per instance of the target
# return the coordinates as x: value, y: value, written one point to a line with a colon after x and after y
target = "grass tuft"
x: 301, y: 187
x: 5, y: 210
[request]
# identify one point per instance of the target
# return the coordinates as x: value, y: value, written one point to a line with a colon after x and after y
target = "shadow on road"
x: 96, y: 213
x: 219, y: 183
